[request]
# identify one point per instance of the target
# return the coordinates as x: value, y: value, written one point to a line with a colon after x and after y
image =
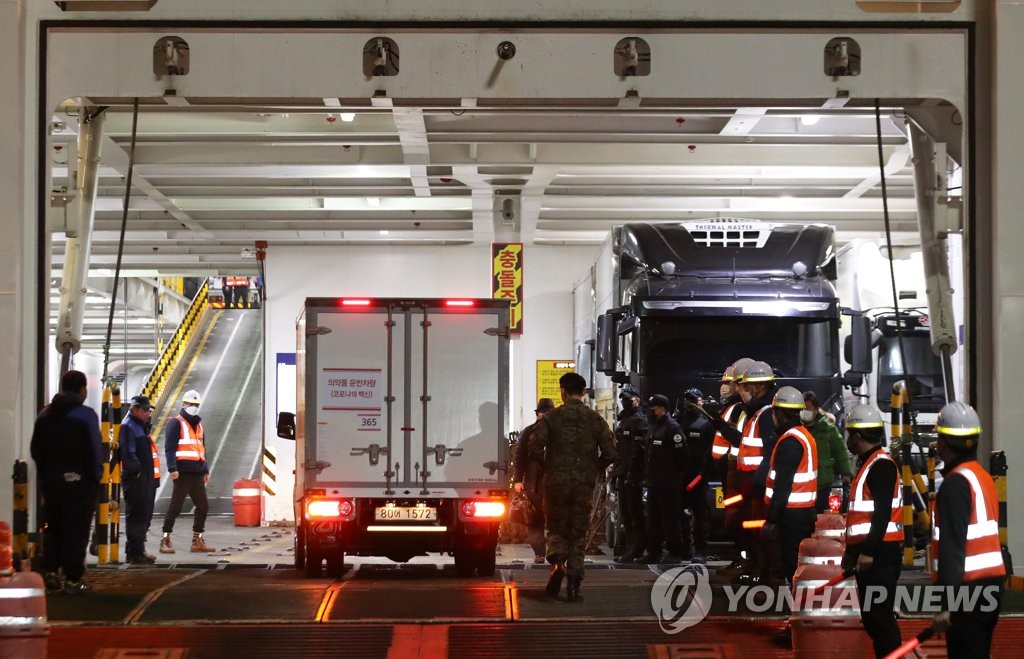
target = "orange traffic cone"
x: 23, y: 624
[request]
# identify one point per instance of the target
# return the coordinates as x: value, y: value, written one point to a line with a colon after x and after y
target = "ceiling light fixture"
x: 810, y: 119
x: 384, y: 232
x: 373, y: 202
x: 348, y: 117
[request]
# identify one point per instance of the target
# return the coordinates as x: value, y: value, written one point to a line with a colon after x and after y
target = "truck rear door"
x: 416, y: 388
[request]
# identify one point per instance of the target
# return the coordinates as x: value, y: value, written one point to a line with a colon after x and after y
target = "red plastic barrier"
x: 246, y: 498
x: 23, y: 623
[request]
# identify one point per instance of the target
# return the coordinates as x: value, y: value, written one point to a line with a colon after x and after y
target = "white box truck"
x: 401, y: 442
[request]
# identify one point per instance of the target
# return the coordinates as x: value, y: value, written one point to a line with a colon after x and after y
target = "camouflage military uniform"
x: 575, y: 444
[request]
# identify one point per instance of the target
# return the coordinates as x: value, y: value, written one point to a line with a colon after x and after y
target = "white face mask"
x: 193, y: 410
x: 806, y: 415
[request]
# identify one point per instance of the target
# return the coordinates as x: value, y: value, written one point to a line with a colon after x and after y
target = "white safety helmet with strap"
x: 192, y: 397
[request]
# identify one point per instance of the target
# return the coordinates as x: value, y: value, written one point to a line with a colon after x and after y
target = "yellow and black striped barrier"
x: 997, y: 469
x: 19, y: 531
x: 101, y: 536
x: 115, y: 476
x: 900, y: 426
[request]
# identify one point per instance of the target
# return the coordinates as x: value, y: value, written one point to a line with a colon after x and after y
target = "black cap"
x: 141, y: 401
x: 545, y: 405
x: 693, y: 394
x: 659, y: 400
x: 629, y: 391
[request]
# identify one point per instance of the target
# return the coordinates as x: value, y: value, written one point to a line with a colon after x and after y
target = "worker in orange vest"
x: 874, y: 527
x: 724, y: 449
x: 965, y: 537
x: 791, y: 488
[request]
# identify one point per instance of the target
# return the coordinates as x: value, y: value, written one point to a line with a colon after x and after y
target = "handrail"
x: 164, y: 367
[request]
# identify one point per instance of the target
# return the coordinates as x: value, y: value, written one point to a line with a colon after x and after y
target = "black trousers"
x: 734, y: 513
x: 631, y: 510
x: 694, y: 526
x: 877, y: 614
x: 138, y: 511
x: 190, y: 484
x: 69, y: 511
x: 970, y: 636
x: 796, y: 525
x: 663, y: 505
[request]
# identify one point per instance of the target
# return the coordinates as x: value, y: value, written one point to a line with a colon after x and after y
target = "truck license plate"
x: 386, y: 513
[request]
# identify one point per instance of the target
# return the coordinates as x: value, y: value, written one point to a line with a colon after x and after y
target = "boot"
x: 165, y: 545
x: 572, y: 589
x: 555, y: 580
x: 199, y: 546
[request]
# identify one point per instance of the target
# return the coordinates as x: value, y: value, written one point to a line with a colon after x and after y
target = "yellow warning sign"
x: 548, y: 372
x: 507, y: 280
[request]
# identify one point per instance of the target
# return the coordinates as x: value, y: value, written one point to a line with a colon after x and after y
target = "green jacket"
x: 574, y: 442
x: 833, y: 458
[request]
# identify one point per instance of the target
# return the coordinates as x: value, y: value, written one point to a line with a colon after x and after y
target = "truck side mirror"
x: 857, y: 347
x: 606, y: 348
x: 286, y: 425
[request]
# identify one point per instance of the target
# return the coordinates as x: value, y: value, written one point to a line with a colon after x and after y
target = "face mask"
x: 627, y: 404
x: 851, y: 445
x: 806, y: 415
x: 193, y: 410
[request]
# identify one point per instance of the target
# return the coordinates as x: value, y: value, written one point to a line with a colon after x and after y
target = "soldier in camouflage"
x: 575, y: 444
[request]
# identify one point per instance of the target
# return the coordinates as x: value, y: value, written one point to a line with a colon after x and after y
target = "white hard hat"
x: 192, y: 396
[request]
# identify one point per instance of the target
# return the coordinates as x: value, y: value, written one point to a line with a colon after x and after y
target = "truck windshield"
x: 795, y: 347
x: 924, y: 372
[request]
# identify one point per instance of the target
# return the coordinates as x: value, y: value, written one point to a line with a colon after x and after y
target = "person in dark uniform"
x: 627, y: 474
x: 529, y: 481
x: 68, y: 453
x: 965, y: 539
x: 575, y: 444
x: 664, y: 465
x: 137, y: 474
x: 874, y: 527
x: 698, y: 435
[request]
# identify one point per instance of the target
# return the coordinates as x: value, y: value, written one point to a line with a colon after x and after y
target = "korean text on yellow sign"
x: 507, y: 280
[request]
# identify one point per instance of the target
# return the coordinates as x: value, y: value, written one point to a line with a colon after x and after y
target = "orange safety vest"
x: 751, y: 447
x: 190, y: 443
x: 983, y: 555
x: 721, y: 446
x: 238, y: 281
x: 156, y: 458
x: 862, y: 505
x: 805, y: 480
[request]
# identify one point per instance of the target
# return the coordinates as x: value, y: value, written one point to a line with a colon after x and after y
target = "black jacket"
x: 136, y: 450
x: 664, y: 454
x: 66, y: 444
x: 698, y: 434
x: 880, y: 480
x: 630, y: 432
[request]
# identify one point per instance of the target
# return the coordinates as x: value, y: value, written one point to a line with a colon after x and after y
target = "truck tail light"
x: 325, y: 509
x: 483, y: 509
x: 459, y: 303
x: 355, y: 302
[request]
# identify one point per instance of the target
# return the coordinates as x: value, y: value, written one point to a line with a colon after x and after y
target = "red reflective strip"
x: 733, y: 500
